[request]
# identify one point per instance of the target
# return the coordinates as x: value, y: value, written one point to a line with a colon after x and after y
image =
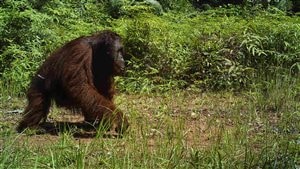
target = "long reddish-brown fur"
x: 79, y: 75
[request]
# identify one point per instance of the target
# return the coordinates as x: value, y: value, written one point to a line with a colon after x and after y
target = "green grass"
x: 168, y: 130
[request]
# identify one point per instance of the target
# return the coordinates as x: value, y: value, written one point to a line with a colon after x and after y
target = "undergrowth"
x: 222, y: 49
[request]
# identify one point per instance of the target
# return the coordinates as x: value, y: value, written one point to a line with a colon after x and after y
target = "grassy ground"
x: 168, y: 130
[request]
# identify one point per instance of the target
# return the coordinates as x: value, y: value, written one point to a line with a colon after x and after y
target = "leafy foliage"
x: 167, y: 47
x: 28, y: 35
x: 223, y: 53
x: 285, y: 5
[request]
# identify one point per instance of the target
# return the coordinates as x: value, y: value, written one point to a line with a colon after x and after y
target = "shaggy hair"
x: 79, y: 75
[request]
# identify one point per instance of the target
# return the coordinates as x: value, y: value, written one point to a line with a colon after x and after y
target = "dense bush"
x: 208, y: 51
x: 218, y: 49
x: 30, y: 30
x: 285, y: 5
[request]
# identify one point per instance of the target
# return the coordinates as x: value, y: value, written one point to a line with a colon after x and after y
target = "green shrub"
x: 118, y: 8
x: 207, y: 51
x: 273, y: 46
x: 224, y: 49
x: 178, y: 5
x: 28, y: 36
